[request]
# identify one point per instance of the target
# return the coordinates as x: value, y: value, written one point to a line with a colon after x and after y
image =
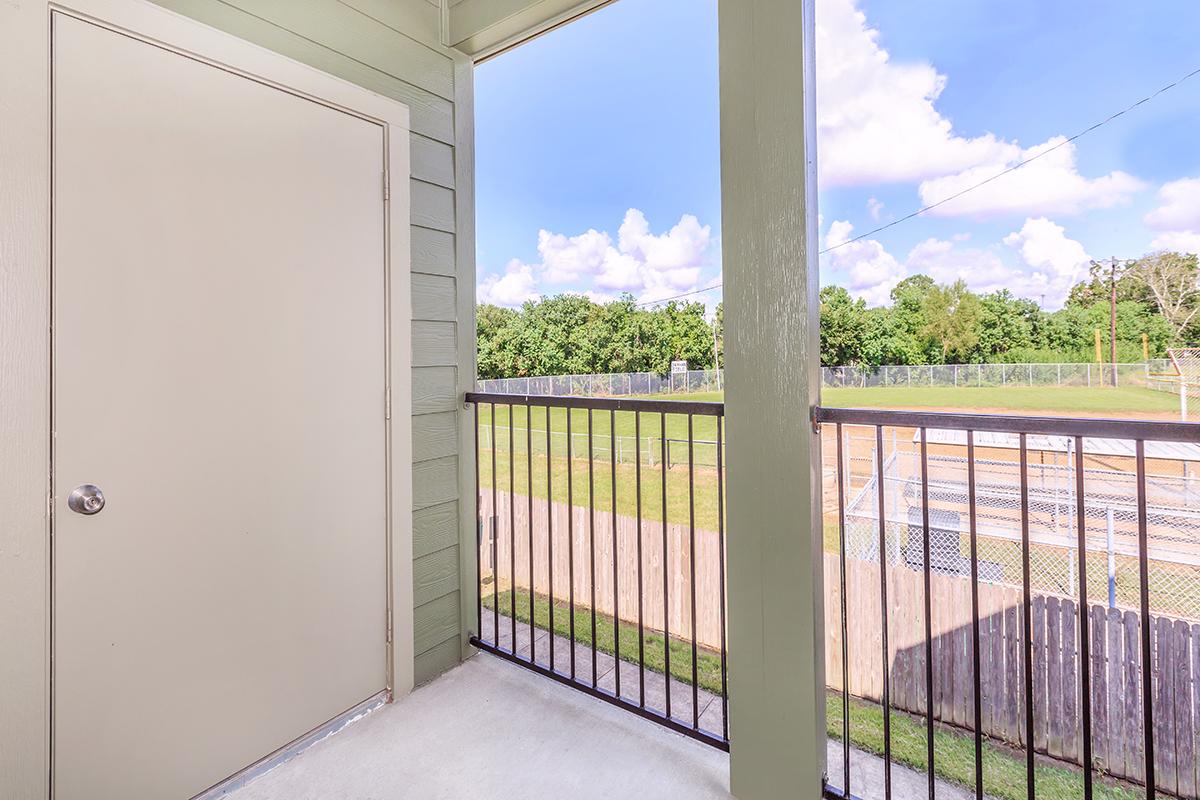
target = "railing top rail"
x: 602, y: 403
x: 1149, y: 430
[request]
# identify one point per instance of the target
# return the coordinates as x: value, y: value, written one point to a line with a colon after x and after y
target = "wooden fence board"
x: 1053, y: 708
x: 1070, y: 681
x: 1132, y: 724
x: 1014, y: 675
x: 1099, y: 675
x: 1116, y: 708
x: 1185, y: 753
x: 1116, y: 688
x: 1038, y: 661
x: 1164, y: 707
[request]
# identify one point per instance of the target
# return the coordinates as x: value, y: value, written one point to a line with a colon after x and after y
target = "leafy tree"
x: 1007, y: 324
x: 1171, y: 279
x: 844, y: 326
x: 926, y: 323
x: 952, y: 319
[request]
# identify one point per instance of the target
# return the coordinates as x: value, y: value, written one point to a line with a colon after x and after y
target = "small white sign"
x: 678, y: 366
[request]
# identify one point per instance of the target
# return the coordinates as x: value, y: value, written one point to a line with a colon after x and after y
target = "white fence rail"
x: 1139, y: 373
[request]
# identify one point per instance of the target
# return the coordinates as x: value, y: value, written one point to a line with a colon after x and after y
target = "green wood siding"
x: 391, y: 47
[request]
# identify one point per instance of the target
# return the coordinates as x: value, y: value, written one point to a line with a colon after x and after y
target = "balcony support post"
x: 769, y: 230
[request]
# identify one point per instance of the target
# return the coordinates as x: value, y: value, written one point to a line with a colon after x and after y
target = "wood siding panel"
x: 436, y: 660
x: 435, y: 435
x: 434, y: 389
x: 435, y: 482
x: 435, y: 528
x: 432, y: 115
x: 435, y: 575
x: 433, y: 344
x: 435, y: 622
x: 432, y: 251
x: 419, y: 19
x: 432, y: 161
x: 433, y: 298
x: 347, y: 30
x: 432, y: 206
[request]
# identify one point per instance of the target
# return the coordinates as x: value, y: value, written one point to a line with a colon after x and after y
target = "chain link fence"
x: 1141, y: 373
x: 1110, y: 521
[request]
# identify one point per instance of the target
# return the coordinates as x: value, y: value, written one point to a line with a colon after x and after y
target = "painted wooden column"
x: 769, y: 225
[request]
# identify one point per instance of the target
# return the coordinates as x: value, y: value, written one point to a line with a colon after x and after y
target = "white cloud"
x: 1058, y: 262
x: 864, y: 267
x: 982, y: 270
x: 1177, y: 218
x: 874, y: 207
x: 651, y: 266
x: 1050, y: 185
x: 876, y: 118
x: 511, y: 289
x: 878, y: 122
x: 1052, y: 263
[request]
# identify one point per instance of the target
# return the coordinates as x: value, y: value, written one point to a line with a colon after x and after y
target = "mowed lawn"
x: 692, y: 494
x: 1059, y: 401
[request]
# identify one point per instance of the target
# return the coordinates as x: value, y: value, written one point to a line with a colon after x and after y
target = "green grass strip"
x: 954, y: 752
x: 708, y: 665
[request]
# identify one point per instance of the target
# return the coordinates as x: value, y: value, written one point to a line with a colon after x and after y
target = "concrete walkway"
x: 866, y: 769
x: 492, y: 729
x: 489, y: 729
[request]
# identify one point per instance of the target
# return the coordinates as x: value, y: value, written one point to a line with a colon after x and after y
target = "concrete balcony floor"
x: 492, y: 729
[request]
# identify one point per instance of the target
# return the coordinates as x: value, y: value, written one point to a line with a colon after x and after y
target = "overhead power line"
x: 973, y: 187
x: 1016, y: 166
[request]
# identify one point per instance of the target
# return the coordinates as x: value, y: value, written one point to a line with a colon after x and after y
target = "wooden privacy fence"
x: 514, y: 532
x: 1116, y: 707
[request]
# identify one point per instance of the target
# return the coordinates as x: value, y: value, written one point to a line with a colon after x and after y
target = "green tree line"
x: 926, y: 323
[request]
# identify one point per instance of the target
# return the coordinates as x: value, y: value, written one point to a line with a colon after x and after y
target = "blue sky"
x: 598, y: 149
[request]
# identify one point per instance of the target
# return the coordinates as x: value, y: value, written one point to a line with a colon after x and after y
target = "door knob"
x: 86, y: 499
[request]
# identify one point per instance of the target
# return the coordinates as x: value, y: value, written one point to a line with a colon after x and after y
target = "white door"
x: 219, y: 373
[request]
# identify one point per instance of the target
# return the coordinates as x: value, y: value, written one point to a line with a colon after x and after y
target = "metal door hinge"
x: 387, y: 403
x: 389, y: 626
x: 387, y: 185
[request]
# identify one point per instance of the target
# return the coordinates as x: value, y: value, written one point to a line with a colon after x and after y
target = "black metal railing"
x: 601, y: 550
x: 1030, y: 641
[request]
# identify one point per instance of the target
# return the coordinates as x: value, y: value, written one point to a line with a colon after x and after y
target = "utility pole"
x: 1113, y: 265
x: 1112, y: 319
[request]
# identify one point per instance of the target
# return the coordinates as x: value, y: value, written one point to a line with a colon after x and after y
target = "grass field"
x: 954, y: 750
x: 528, y: 427
x: 1059, y: 401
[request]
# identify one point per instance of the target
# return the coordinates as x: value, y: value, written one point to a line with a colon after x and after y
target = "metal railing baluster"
x: 883, y: 616
x: 478, y: 530
x: 571, y: 539
x: 592, y: 537
x: 665, y: 575
x: 976, y: 654
x: 1144, y: 602
x: 529, y: 486
x: 512, y: 531
x: 550, y: 535
x: 926, y: 569
x: 841, y: 494
x: 495, y: 515
x: 692, y: 568
x: 637, y: 428
x: 1027, y: 644
x: 721, y: 578
x: 1085, y: 647
x: 612, y: 483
